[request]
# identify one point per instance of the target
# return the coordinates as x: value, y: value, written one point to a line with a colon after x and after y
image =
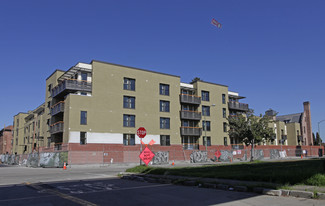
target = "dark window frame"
x: 83, y: 117
x: 208, y: 126
x: 128, y: 139
x: 205, y: 96
x: 164, y: 140
x: 205, y: 111
x: 128, y: 102
x: 164, y: 89
x: 164, y: 106
x: 129, y: 84
x: 164, y: 123
x: 83, y: 138
x: 128, y: 120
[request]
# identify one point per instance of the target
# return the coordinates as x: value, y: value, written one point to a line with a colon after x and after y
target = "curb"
x: 199, y: 182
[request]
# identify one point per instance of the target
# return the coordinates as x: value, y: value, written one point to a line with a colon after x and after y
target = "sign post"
x: 141, y: 133
x: 217, y: 154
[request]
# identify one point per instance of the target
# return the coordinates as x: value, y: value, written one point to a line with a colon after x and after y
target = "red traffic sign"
x: 146, y: 155
x: 217, y: 153
x: 141, y: 132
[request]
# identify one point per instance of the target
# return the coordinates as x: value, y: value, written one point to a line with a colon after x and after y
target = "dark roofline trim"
x: 134, y: 68
x: 289, y: 114
x: 54, y: 72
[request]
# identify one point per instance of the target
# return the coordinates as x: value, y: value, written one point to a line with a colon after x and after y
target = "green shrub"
x: 316, y: 180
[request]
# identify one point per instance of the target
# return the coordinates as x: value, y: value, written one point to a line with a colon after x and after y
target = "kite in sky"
x: 216, y: 23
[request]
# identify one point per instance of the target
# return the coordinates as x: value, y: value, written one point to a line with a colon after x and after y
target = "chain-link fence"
x: 162, y: 155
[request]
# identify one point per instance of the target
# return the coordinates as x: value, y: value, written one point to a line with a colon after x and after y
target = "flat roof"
x: 135, y: 68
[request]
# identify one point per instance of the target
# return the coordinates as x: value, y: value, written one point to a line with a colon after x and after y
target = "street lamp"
x: 205, y: 130
x: 320, y: 140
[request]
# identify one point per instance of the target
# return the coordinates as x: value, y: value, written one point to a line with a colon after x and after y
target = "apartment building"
x: 6, y: 140
x: 102, y: 103
x: 28, y: 131
x: 292, y: 129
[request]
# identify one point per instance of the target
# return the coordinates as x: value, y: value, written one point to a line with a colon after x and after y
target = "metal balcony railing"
x: 191, y: 131
x: 193, y: 115
x: 238, y: 106
x: 190, y: 99
x: 57, y: 108
x: 56, y: 127
x: 71, y: 85
x: 284, y: 137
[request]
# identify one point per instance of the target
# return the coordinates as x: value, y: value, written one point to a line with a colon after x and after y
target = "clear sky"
x: 272, y: 52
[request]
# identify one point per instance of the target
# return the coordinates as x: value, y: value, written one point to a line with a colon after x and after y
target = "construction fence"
x: 162, y: 155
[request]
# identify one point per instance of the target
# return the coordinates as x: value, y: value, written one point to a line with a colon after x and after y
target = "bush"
x: 316, y: 180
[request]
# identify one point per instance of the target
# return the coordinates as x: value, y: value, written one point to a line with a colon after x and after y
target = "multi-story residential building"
x: 292, y: 129
x: 101, y: 103
x: 28, y: 131
x: 6, y: 140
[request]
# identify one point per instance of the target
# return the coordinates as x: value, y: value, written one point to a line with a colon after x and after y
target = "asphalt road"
x: 100, y: 186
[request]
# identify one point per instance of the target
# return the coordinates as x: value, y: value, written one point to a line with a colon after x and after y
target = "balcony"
x: 238, y: 106
x: 190, y: 99
x: 71, y: 85
x: 192, y: 115
x: 56, y: 128
x: 57, y: 108
x: 191, y: 131
x: 284, y: 137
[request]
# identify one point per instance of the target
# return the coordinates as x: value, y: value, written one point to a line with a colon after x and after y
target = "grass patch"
x: 316, y: 180
x: 286, y: 173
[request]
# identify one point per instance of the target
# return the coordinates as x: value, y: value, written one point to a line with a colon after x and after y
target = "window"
x: 206, y: 125
x: 83, y: 117
x: 49, y: 88
x: 164, y: 106
x: 223, y: 99
x: 83, y: 138
x: 128, y: 120
x: 164, y: 140
x: 83, y: 76
x: 39, y: 124
x: 129, y: 84
x: 128, y: 102
x: 164, y: 89
x: 208, y: 139
x: 164, y: 123
x: 205, y: 96
x: 48, y: 104
x: 128, y: 139
x: 83, y: 93
x: 224, y: 127
x: 205, y: 110
x: 224, y: 112
x: 225, y: 141
x: 190, y: 143
x: 17, y: 122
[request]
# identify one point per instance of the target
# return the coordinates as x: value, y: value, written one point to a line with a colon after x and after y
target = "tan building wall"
x: 18, y: 137
x: 216, y: 118
x: 105, y: 106
x: 293, y: 130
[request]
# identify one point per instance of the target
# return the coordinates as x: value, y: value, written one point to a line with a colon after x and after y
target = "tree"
x: 250, y: 129
x: 318, y: 139
x: 314, y: 139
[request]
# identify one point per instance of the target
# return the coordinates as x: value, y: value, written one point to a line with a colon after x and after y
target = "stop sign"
x: 141, y: 132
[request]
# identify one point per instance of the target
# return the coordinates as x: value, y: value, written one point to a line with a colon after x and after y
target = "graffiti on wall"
x: 258, y: 154
x: 198, y: 156
x: 274, y: 154
x: 161, y: 158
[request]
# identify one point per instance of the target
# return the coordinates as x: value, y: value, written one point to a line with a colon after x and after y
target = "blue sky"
x: 272, y: 52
